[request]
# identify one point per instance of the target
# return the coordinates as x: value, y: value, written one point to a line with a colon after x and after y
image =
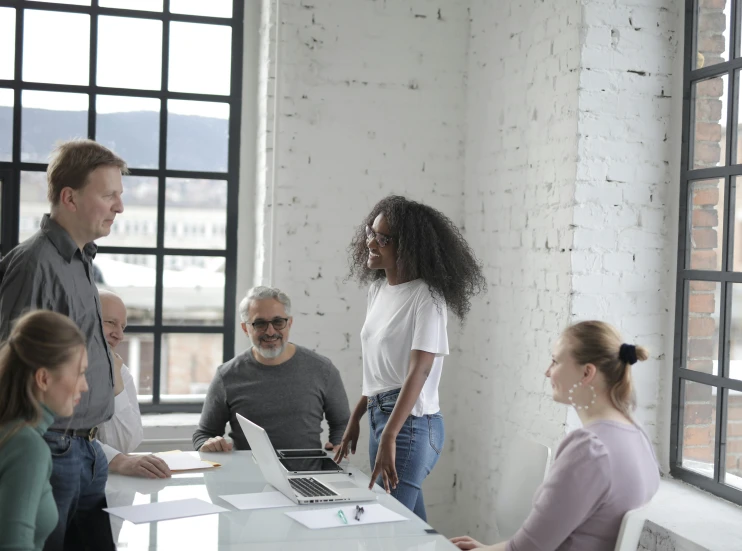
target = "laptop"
x: 302, y: 490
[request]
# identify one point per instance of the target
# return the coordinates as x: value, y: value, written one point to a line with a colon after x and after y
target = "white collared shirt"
x: 123, y: 432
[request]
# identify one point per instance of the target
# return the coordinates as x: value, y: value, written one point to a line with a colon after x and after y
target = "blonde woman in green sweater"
x: 42, y: 375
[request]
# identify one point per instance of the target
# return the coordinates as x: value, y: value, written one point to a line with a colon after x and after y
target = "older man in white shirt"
x: 121, y: 434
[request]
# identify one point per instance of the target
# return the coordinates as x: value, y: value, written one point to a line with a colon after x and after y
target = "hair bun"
x: 627, y: 353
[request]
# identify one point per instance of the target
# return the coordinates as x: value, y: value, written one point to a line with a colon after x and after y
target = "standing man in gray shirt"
x: 53, y: 270
x: 283, y: 387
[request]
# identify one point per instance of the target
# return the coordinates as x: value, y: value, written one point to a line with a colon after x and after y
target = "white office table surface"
x: 256, y: 530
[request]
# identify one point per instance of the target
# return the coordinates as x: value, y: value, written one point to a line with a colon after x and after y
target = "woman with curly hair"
x: 418, y: 266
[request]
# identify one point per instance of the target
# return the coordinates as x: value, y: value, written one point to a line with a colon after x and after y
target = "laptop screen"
x: 310, y: 464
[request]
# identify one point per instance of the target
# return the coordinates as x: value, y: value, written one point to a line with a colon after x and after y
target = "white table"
x: 255, y: 530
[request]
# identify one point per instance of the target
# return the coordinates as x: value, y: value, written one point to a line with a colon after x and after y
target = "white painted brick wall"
x: 573, y: 153
x: 520, y: 173
x: 370, y: 101
x: 520, y: 120
x: 624, y: 218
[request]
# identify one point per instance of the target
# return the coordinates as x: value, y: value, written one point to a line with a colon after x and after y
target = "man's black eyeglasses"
x: 262, y: 325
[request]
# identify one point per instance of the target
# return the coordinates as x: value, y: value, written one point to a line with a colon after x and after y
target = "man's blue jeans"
x: 79, y: 475
x: 419, y: 445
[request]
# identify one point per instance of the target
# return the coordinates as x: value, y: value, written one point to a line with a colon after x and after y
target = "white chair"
x: 631, y: 529
x: 523, y: 472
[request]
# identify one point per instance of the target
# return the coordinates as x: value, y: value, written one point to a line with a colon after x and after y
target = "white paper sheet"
x: 165, y: 510
x: 179, y: 461
x: 265, y: 500
x: 374, y: 513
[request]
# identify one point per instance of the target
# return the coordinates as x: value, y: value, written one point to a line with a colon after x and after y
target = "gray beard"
x: 269, y: 353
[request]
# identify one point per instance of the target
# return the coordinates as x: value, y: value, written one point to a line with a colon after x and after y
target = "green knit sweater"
x: 28, y: 513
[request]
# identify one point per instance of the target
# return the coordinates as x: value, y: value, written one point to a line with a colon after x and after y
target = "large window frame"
x: 10, y: 172
x: 719, y: 380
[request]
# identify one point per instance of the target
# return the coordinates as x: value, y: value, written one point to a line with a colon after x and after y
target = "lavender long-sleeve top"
x: 599, y: 473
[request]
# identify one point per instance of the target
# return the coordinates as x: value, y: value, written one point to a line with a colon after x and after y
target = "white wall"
x: 571, y: 193
x: 520, y: 174
x: 368, y: 100
x: 627, y: 185
x: 527, y: 123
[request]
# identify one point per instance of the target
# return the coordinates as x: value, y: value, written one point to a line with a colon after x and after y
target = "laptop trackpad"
x: 344, y: 484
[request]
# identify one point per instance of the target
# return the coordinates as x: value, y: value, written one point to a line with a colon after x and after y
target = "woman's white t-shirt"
x: 399, y: 319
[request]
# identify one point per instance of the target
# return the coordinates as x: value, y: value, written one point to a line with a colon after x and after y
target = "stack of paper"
x: 179, y: 461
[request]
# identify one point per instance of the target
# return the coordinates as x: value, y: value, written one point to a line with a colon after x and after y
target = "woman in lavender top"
x: 600, y: 471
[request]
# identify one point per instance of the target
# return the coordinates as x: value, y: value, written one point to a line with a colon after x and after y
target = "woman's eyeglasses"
x: 381, y: 239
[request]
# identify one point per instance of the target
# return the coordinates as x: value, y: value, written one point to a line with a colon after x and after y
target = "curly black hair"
x: 429, y: 247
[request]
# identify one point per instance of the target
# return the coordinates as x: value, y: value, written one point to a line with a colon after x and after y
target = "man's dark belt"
x: 89, y: 434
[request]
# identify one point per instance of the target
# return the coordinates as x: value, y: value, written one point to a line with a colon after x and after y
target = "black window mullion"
x: 12, y: 193
x: 114, y: 91
x: 18, y: 74
x: 161, y: 188
x: 92, y: 79
x: 235, y: 120
x: 721, y: 435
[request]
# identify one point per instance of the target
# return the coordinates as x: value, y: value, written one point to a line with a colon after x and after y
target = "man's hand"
x: 118, y: 380
x: 216, y: 444
x: 146, y: 466
x: 330, y: 448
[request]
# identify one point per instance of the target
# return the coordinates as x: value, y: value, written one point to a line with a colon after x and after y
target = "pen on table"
x: 359, y: 512
x: 342, y: 517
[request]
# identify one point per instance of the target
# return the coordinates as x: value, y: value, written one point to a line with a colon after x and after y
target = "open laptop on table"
x: 299, y: 489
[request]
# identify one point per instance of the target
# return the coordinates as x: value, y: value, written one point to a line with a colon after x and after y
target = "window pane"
x: 735, y: 334
x: 7, y: 43
x: 131, y: 127
x: 144, y: 5
x: 74, y: 2
x: 200, y: 58
x: 213, y: 8
x: 56, y: 47
x: 702, y: 350
x: 733, y: 474
x: 48, y: 118
x: 705, y: 216
x: 138, y: 352
x: 188, y: 364
x: 6, y: 124
x: 33, y: 203
x: 197, y: 135
x: 195, y: 214
x: 139, y: 64
x: 737, y: 254
x: 709, y: 126
x: 1, y: 210
x: 137, y: 227
x: 193, y: 290
x: 132, y: 277
x: 699, y: 427
x: 712, y: 38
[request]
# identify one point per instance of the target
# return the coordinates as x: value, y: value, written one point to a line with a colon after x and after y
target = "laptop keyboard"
x: 310, y: 487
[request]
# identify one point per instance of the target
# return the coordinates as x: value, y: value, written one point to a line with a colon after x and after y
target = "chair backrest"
x: 523, y: 472
x: 631, y: 529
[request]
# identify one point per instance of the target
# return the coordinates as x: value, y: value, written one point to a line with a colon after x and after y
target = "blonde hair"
x: 38, y: 339
x: 600, y: 344
x: 73, y: 161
